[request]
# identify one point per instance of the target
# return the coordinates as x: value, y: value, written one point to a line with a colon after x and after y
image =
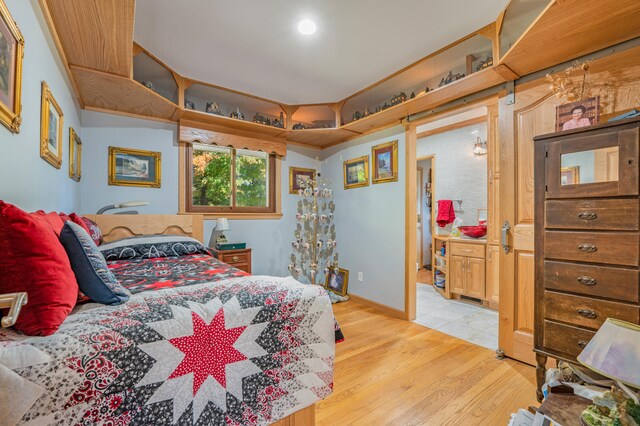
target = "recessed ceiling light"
x: 307, y: 27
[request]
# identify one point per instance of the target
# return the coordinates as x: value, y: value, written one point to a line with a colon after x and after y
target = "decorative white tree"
x: 314, y: 244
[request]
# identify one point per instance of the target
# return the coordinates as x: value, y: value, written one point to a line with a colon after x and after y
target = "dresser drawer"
x: 612, y: 215
x: 467, y: 249
x: 586, y: 311
x: 590, y: 280
x: 617, y: 248
x: 234, y: 258
x: 565, y: 339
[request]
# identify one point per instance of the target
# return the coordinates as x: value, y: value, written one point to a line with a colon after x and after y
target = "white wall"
x: 26, y: 179
x: 270, y: 240
x: 459, y: 174
x: 370, y: 222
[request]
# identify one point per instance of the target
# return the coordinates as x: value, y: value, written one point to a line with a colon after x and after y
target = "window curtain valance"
x: 190, y: 134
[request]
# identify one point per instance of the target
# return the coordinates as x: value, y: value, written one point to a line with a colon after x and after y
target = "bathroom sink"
x: 473, y: 231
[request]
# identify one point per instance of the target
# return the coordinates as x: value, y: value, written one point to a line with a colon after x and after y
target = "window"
x: 221, y: 179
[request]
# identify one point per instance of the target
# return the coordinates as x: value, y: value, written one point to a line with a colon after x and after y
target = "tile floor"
x: 465, y: 321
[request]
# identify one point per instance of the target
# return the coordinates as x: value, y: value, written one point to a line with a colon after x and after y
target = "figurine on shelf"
x: 427, y: 90
x: 450, y: 78
x: 299, y: 126
x: 413, y: 95
x: 398, y: 99
x: 213, y: 108
x: 385, y: 106
x: 237, y: 114
x: 485, y: 64
x: 279, y: 122
x: 189, y: 104
x: 356, y: 116
x: 366, y: 112
x: 260, y: 119
x: 149, y: 85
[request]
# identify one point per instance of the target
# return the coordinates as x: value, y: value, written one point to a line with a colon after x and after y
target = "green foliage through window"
x: 213, y: 169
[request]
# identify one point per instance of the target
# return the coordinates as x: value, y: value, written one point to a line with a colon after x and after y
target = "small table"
x: 564, y: 408
x: 240, y: 258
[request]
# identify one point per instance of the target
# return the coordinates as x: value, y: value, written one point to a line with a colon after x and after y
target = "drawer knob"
x: 587, y: 280
x: 587, y: 215
x: 587, y: 248
x: 587, y: 313
x: 235, y: 258
x: 583, y: 344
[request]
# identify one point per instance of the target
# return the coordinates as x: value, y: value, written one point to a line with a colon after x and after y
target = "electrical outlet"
x: 360, y: 276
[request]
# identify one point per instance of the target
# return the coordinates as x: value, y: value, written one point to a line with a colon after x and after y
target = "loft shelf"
x: 320, y: 137
x: 148, y: 70
x: 572, y: 28
x: 104, y: 91
x: 230, y: 123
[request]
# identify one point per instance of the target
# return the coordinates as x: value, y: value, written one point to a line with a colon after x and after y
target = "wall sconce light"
x: 480, y: 148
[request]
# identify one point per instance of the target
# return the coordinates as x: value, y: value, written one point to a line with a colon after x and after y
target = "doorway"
x: 424, y: 197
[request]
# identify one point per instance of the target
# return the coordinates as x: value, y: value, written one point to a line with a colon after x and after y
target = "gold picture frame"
x: 11, y: 56
x: 51, y: 128
x: 570, y: 175
x: 337, y: 282
x: 75, y: 155
x: 385, y: 162
x: 356, y: 172
x: 134, y: 167
x: 294, y: 173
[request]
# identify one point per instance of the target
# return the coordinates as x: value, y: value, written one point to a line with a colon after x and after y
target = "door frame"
x: 410, y: 219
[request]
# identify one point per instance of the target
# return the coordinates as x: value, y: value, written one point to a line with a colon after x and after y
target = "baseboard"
x: 387, y: 310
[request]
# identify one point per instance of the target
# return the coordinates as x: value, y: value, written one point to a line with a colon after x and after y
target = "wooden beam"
x: 454, y: 126
x: 95, y: 34
x: 410, y: 223
x: 196, y: 135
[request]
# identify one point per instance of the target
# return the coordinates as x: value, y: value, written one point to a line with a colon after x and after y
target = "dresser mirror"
x: 592, y: 166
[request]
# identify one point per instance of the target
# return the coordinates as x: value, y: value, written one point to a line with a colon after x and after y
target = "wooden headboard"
x: 117, y: 226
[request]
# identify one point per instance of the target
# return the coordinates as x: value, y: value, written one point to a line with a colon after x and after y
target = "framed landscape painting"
x: 134, y: 167
x: 51, y: 127
x: 11, y: 54
x: 385, y: 162
x: 356, y: 172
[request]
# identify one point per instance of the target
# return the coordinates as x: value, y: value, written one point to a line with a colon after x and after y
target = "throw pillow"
x: 94, y: 230
x: 94, y: 277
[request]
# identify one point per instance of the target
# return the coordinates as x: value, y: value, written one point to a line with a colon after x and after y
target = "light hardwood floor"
x: 394, y: 372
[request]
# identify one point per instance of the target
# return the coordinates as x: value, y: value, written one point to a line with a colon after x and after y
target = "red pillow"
x: 53, y: 219
x: 33, y: 260
x: 94, y: 230
x: 78, y: 221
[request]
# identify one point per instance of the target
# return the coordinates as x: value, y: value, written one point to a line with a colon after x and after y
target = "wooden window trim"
x: 210, y: 212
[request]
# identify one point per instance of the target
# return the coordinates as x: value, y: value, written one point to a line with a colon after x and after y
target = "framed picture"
x: 356, y: 172
x: 11, y: 54
x: 573, y: 115
x: 337, y: 282
x: 570, y: 175
x: 298, y: 174
x: 134, y: 167
x: 75, y: 155
x: 51, y: 121
x: 385, y: 162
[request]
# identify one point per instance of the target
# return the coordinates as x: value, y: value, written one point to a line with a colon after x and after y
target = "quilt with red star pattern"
x: 244, y: 351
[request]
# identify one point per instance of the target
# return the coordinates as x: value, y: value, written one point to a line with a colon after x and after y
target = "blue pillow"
x: 88, y: 264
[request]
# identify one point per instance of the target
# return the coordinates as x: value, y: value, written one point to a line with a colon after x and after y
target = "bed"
x: 198, y: 342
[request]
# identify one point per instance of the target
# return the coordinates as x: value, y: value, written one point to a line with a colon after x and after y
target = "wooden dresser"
x: 587, y: 236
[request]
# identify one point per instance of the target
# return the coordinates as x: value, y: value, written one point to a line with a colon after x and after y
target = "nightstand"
x: 240, y: 259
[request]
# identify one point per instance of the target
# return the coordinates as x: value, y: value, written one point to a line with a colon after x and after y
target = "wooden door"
x: 457, y: 272
x: 475, y: 279
x: 531, y: 112
x: 493, y: 273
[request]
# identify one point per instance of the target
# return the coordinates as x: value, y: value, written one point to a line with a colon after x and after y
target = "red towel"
x: 446, y: 214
